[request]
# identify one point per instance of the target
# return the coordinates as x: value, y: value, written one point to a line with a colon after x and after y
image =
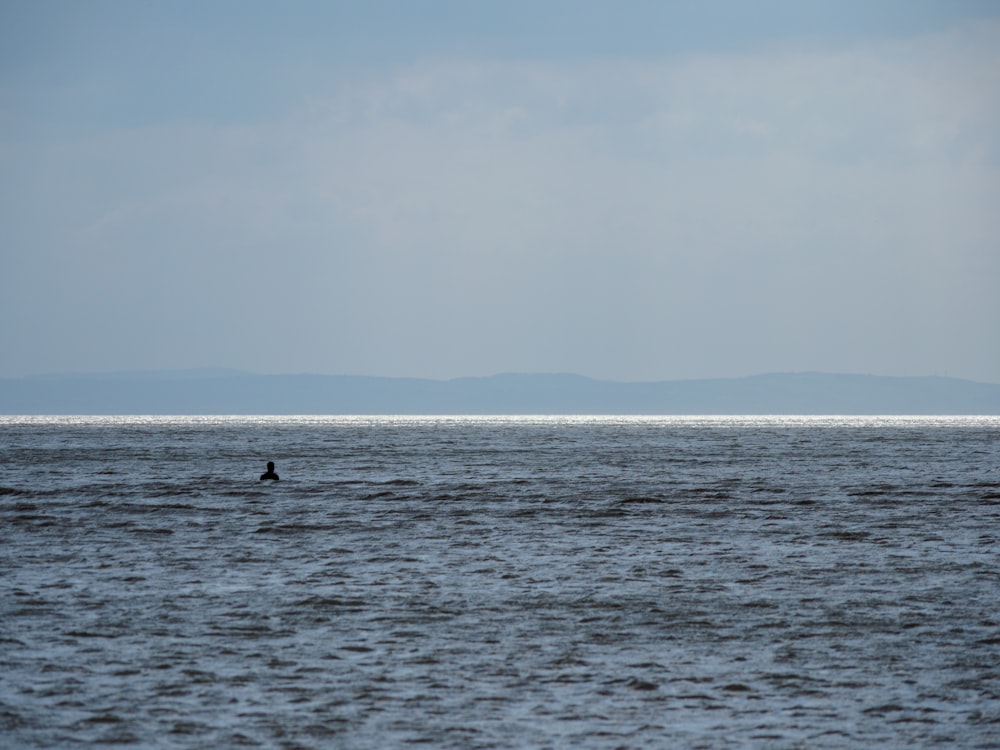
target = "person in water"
x: 269, y: 474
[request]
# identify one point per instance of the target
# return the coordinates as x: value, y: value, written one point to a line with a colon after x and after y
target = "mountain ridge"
x: 217, y: 391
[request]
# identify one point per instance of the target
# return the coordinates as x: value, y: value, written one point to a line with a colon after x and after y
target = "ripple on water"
x: 576, y: 583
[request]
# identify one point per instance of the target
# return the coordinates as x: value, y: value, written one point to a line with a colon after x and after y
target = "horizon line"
x: 212, y: 373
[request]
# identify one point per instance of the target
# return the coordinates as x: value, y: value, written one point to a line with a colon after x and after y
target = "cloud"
x: 700, y: 215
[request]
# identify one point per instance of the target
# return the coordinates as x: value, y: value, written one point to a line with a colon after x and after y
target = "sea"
x: 500, y: 582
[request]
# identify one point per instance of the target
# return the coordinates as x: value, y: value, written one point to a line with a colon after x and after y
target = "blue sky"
x: 629, y: 190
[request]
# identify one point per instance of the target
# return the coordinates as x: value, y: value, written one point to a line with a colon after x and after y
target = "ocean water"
x: 500, y: 582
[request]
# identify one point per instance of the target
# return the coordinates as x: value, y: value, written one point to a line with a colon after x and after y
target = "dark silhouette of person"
x: 269, y: 474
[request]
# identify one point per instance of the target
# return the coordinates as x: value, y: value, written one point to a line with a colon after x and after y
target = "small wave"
x: 89, y: 634
x: 35, y: 520
x: 384, y: 495
x: 293, y: 528
x: 325, y: 602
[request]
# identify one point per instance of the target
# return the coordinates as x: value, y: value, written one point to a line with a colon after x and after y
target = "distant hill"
x: 230, y: 392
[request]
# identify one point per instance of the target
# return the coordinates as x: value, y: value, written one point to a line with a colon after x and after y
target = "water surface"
x: 500, y: 582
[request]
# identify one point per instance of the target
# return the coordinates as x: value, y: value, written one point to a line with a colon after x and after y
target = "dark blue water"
x: 591, y: 583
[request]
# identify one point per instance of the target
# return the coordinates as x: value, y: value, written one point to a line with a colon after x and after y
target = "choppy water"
x: 514, y: 582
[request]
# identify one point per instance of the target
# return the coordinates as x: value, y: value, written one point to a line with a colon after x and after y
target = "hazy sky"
x: 631, y: 190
